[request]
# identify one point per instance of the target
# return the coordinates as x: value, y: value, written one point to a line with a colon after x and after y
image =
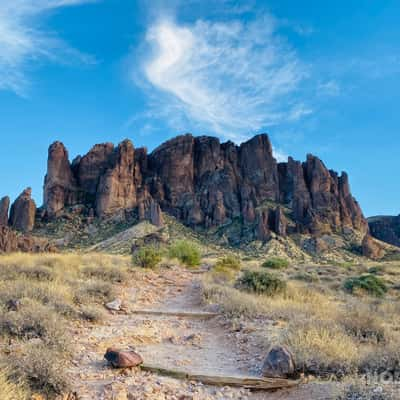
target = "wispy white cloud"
x: 22, y: 40
x: 231, y: 78
x: 328, y: 88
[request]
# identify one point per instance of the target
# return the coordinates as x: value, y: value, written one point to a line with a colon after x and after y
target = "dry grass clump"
x: 38, y: 295
x: 10, y: 390
x: 329, y: 332
x: 43, y: 368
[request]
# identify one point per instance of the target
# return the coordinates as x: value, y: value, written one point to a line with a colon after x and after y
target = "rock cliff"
x: 386, y: 228
x: 205, y: 183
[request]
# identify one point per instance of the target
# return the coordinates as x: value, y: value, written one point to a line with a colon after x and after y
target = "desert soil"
x: 207, y: 346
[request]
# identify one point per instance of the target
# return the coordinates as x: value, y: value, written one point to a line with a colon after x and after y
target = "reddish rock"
x: 205, y: 183
x: 4, y: 208
x: 11, y: 241
x: 122, y: 358
x: 60, y: 188
x: 23, y: 212
x: 116, y: 189
x: 372, y: 249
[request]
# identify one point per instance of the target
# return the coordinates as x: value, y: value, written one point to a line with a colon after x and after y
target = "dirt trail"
x: 196, y: 345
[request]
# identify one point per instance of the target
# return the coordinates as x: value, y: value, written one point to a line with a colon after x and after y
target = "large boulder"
x: 279, y: 363
x: 122, y: 358
x: 23, y: 212
x: 4, y: 208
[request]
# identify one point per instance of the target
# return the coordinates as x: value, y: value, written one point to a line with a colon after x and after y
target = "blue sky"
x: 319, y: 77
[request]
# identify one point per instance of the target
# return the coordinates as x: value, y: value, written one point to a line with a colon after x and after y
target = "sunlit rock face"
x: 205, y: 183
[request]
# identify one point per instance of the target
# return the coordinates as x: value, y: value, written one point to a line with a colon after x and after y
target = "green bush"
x: 370, y: 284
x: 276, y: 263
x: 147, y: 257
x: 261, y: 282
x: 186, y: 252
x: 228, y: 262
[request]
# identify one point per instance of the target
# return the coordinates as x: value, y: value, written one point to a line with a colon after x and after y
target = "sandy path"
x: 195, y: 345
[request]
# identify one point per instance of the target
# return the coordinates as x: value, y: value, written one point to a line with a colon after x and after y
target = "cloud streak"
x: 231, y: 78
x: 22, y: 41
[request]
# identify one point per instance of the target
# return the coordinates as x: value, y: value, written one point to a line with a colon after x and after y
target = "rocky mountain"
x: 386, y: 229
x: 205, y: 184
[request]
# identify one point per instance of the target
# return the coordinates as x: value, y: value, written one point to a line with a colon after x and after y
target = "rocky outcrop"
x: 23, y: 212
x: 11, y: 241
x: 372, y: 249
x: 386, y: 228
x: 4, y: 208
x: 205, y: 183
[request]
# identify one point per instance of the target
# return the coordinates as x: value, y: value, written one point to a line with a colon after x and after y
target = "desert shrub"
x: 43, y: 368
x: 108, y: 274
x: 321, y: 347
x: 92, y: 313
x: 310, y: 277
x: 94, y: 291
x: 147, y: 257
x: 261, y: 282
x: 10, y: 390
x: 276, y: 263
x: 34, y: 320
x: 370, y: 284
x: 186, y: 252
x: 363, y: 323
x: 228, y: 262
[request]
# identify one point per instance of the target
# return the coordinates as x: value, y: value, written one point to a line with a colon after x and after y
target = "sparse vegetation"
x: 186, y: 252
x: 40, y: 295
x: 368, y: 283
x: 10, y: 390
x: 261, y: 282
x: 228, y: 263
x: 276, y: 263
x: 147, y: 257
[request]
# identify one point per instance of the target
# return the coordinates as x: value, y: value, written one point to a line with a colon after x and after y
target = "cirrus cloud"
x: 23, y: 41
x: 231, y: 78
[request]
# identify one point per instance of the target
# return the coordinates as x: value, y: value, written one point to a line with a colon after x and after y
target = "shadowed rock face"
x: 4, y: 207
x: 386, y: 228
x: 205, y: 183
x: 23, y: 211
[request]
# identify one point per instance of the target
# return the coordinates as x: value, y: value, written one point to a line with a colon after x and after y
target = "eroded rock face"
x: 205, y: 183
x: 23, y: 212
x: 60, y: 187
x: 4, y: 208
x: 372, y: 249
x: 11, y: 241
x: 386, y: 228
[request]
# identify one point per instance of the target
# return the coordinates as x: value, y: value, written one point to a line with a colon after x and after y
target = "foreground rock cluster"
x: 205, y: 183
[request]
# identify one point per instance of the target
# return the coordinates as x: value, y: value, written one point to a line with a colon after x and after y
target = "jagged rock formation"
x: 4, y: 207
x: 205, y: 183
x: 23, y: 212
x: 371, y: 249
x: 11, y: 241
x: 386, y: 228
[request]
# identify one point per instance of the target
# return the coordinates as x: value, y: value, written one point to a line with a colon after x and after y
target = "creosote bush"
x: 147, y: 257
x: 186, y: 252
x: 276, y: 263
x: 261, y: 282
x: 368, y: 283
